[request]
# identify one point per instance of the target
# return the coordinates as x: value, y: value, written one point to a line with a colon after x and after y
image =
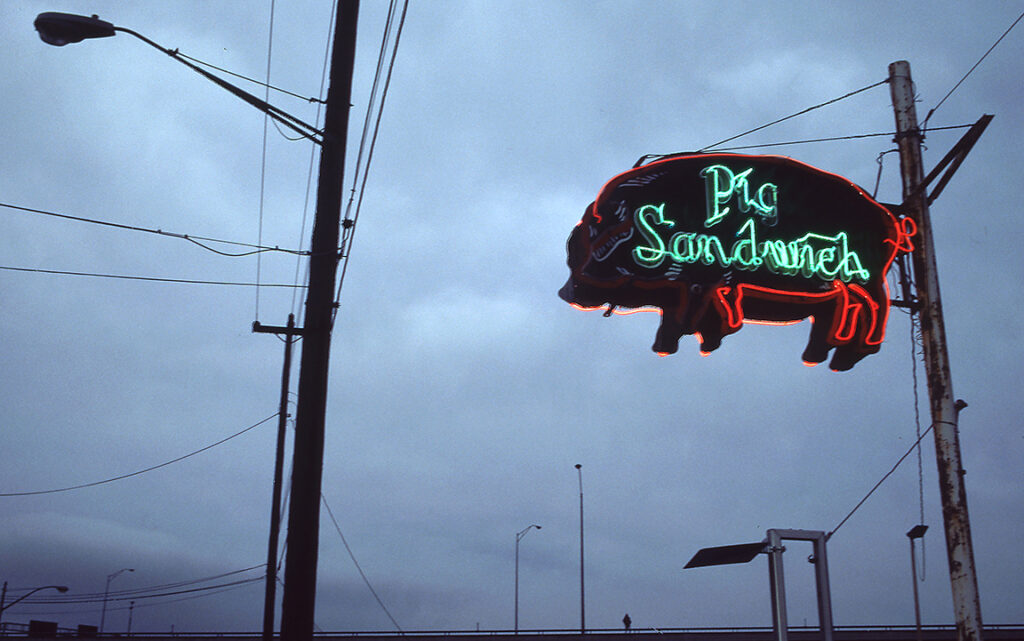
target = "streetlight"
x: 520, y: 535
x: 106, y: 593
x: 583, y: 618
x: 772, y: 546
x: 3, y: 595
x: 303, y: 520
x: 916, y: 532
x: 299, y: 601
x: 59, y: 29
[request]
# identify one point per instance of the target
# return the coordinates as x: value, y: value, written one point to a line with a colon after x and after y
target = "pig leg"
x: 818, y: 342
x: 666, y: 340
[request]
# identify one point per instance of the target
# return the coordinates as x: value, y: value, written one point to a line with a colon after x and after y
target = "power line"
x: 356, y: 563
x: 970, y: 71
x: 882, y: 480
x: 159, y: 599
x: 157, y: 595
x: 185, y: 281
x: 252, y: 80
x: 350, y: 222
x: 312, y: 160
x: 799, y: 113
x: 645, y: 158
x: 143, y: 471
x: 263, y: 162
x: 97, y: 597
x: 191, y: 238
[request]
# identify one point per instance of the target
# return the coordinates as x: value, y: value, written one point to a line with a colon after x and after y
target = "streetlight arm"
x: 302, y: 128
x: 60, y: 29
x: 521, y: 534
x: 59, y: 588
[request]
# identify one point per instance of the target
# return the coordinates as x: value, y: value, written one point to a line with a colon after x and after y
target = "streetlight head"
x: 537, y: 526
x: 59, y: 29
x: 917, y: 531
x: 578, y: 466
x: 62, y: 588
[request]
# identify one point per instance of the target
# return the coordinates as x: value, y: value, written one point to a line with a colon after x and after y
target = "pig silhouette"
x: 716, y: 240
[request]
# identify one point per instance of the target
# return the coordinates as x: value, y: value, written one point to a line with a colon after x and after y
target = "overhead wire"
x: 349, y: 228
x: 150, y: 600
x: 259, y: 248
x: 356, y: 563
x: 85, y: 597
x: 647, y: 157
x: 252, y: 80
x: 263, y: 162
x: 882, y: 480
x: 924, y: 124
x: 183, y: 281
x: 142, y: 471
x: 799, y: 113
x: 914, y: 325
x: 312, y: 163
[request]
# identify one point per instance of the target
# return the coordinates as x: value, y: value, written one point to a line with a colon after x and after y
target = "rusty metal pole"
x: 944, y: 410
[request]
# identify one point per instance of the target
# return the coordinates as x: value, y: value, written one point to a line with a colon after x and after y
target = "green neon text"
x: 811, y: 255
x: 720, y: 184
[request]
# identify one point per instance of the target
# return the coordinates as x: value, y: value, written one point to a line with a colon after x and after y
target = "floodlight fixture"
x: 773, y: 547
x: 726, y: 554
x: 917, y: 531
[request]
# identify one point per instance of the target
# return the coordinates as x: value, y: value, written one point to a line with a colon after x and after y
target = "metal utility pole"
x: 270, y: 592
x: 583, y: 617
x: 944, y: 410
x: 307, y: 467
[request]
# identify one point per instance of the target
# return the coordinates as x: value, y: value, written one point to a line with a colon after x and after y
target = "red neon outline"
x: 844, y: 324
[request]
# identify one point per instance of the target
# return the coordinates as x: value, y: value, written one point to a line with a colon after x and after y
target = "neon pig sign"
x: 716, y: 240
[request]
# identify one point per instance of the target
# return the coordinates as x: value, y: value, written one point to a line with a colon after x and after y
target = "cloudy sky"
x: 462, y: 390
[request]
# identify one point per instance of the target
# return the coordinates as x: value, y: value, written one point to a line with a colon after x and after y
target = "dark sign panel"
x: 713, y: 240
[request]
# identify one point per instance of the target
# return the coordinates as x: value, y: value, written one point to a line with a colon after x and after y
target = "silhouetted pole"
x: 916, y: 532
x: 944, y: 410
x: 519, y: 537
x: 583, y: 616
x: 270, y: 594
x: 307, y: 469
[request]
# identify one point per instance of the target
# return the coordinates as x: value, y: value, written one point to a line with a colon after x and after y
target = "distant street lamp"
x: 583, y: 617
x: 106, y: 593
x: 520, y: 535
x: 3, y: 595
x: 916, y: 532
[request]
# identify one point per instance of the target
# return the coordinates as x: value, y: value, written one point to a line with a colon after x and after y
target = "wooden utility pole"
x: 944, y: 409
x: 308, y: 455
x: 270, y: 592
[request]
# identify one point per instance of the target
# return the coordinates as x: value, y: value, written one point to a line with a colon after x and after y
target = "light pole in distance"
x: 106, y: 593
x: 583, y: 617
x: 3, y: 596
x: 520, y: 535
